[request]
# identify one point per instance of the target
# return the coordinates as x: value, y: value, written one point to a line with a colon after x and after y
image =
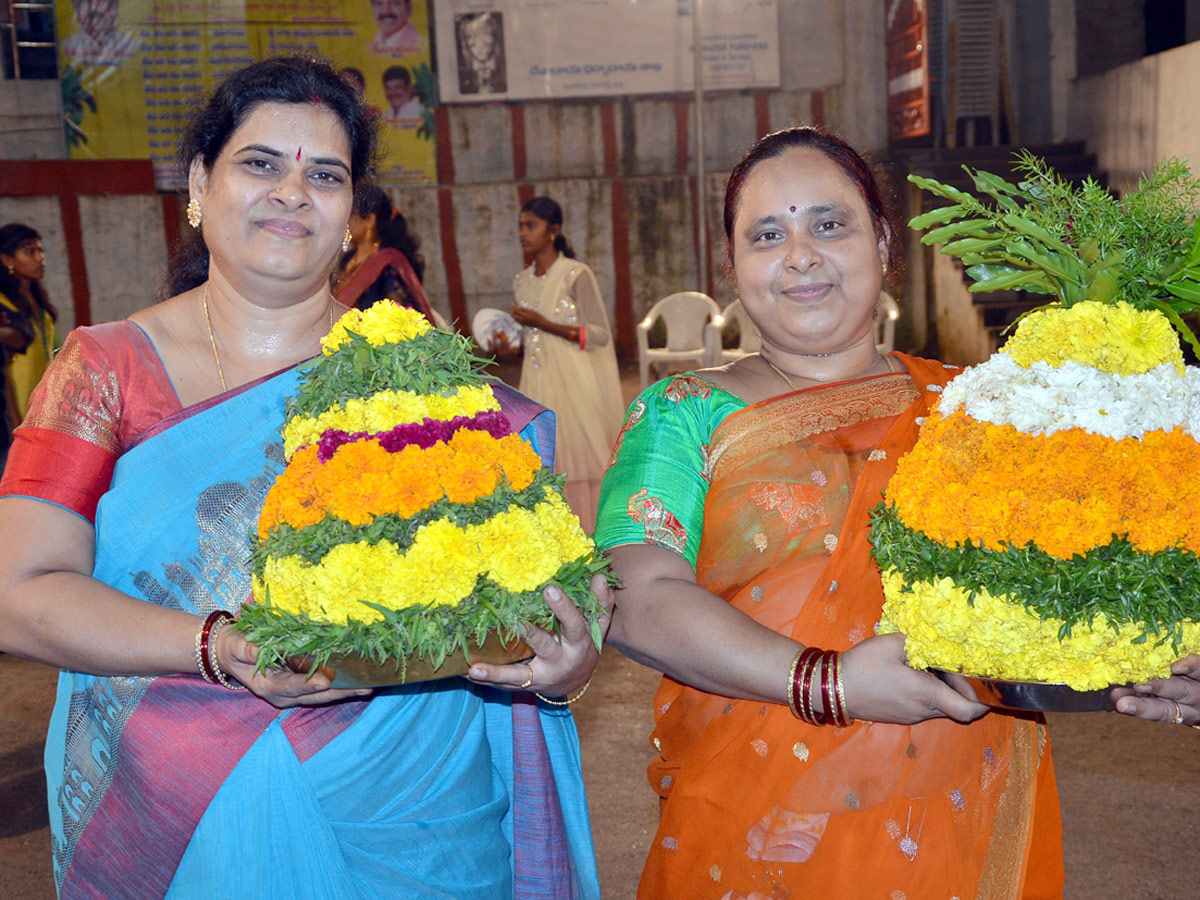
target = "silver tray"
x: 1031, y: 695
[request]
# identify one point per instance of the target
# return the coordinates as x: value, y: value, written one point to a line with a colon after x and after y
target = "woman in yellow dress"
x: 27, y: 308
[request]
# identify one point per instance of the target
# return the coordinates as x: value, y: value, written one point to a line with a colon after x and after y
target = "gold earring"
x: 194, y: 213
x: 347, y: 240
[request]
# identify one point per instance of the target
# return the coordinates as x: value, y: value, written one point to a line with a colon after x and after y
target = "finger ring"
x: 528, y: 681
x: 1178, y: 720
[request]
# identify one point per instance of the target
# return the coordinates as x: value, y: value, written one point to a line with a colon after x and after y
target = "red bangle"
x: 202, y: 655
x: 808, y: 682
x: 798, y: 678
x: 826, y: 688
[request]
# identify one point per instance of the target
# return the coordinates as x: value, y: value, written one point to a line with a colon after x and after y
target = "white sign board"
x: 537, y: 49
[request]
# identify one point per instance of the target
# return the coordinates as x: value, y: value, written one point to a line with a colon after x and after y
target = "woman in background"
x: 384, y: 261
x: 28, y: 309
x: 570, y: 364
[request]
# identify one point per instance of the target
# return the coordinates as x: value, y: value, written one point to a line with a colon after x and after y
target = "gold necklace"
x: 212, y: 338
x: 888, y: 358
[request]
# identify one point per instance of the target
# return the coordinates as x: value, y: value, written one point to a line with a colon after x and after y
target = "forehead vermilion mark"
x: 298, y: 149
x: 791, y: 209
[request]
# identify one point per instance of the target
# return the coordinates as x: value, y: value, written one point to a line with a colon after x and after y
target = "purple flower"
x: 424, y: 434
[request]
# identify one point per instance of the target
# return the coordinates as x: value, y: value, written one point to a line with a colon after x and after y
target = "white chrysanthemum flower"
x: 1043, y: 399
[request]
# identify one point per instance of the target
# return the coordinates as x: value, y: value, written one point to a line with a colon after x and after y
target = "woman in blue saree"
x: 125, y: 512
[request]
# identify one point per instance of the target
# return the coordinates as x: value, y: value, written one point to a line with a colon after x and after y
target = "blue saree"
x: 171, y: 787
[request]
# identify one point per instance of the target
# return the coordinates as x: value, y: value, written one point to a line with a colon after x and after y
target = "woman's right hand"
x: 880, y: 686
x: 282, y: 688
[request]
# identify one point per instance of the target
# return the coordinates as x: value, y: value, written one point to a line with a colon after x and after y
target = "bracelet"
x: 838, y: 695
x: 572, y: 334
x: 798, y: 687
x: 791, y: 683
x: 215, y: 666
x: 804, y: 685
x: 203, y: 637
x: 569, y: 700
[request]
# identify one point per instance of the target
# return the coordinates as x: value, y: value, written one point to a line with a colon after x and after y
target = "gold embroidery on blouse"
x: 90, y: 405
x: 750, y: 432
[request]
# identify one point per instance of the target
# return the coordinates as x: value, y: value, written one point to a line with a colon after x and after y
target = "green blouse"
x: 658, y: 477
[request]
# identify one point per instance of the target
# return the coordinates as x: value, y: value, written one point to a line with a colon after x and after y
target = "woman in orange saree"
x: 738, y: 519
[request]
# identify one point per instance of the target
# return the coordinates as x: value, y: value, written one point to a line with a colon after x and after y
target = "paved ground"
x: 1130, y: 791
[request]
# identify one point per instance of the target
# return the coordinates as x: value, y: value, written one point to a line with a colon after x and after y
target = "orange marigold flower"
x: 1067, y: 492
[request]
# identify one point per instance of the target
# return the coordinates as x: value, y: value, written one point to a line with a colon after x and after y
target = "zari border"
x: 749, y: 432
x: 1004, y: 864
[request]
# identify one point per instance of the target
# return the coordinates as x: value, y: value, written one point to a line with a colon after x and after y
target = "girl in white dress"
x: 570, y: 365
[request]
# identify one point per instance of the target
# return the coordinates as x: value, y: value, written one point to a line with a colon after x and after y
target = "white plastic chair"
x: 887, y: 311
x: 685, y: 315
x: 749, y: 339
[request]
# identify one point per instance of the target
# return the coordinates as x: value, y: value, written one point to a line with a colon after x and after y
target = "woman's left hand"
x: 530, y: 318
x: 560, y: 666
x: 1175, y: 699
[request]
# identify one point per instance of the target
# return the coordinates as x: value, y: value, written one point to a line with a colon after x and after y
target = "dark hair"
x: 397, y: 73
x: 851, y: 162
x: 390, y: 225
x: 277, y: 79
x: 354, y: 75
x: 12, y: 236
x: 550, y: 212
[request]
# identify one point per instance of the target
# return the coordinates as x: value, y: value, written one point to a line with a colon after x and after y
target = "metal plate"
x: 356, y: 672
x: 1031, y: 695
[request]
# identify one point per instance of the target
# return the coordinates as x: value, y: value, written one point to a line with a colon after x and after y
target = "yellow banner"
x: 132, y: 69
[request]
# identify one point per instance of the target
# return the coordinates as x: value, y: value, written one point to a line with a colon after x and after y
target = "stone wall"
x: 619, y: 166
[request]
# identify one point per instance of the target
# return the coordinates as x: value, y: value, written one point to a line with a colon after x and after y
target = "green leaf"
x: 1026, y: 227
x: 934, y: 217
x: 1014, y: 279
x: 966, y: 226
x: 942, y: 190
x: 970, y: 245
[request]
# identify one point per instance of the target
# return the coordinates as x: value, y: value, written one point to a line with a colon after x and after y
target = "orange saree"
x: 756, y: 804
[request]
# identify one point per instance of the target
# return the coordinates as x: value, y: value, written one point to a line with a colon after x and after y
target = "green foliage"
x: 1116, y: 583
x: 75, y: 98
x: 438, y: 363
x: 429, y: 633
x: 425, y: 87
x: 1073, y: 243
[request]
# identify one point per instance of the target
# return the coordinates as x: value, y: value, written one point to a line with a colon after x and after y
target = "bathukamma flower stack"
x: 410, y: 521
x: 1046, y: 525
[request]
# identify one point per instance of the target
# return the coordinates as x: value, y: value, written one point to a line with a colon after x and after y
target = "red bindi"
x: 298, y: 149
x: 790, y: 208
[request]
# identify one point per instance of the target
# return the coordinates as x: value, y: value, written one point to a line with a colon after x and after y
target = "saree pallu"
x: 373, y: 282
x: 756, y: 804
x: 170, y: 787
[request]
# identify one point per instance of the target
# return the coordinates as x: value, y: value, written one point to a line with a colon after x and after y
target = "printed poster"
x: 132, y: 69
x: 540, y: 49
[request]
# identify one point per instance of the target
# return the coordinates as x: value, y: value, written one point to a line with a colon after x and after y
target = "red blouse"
x: 104, y: 391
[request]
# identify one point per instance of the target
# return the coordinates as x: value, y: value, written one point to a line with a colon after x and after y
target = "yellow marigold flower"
x: 556, y: 518
x: 385, y: 410
x: 998, y: 638
x: 520, y: 555
x: 1116, y: 338
x: 382, y: 323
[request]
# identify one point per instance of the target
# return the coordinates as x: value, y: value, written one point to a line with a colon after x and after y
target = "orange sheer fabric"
x: 759, y: 805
